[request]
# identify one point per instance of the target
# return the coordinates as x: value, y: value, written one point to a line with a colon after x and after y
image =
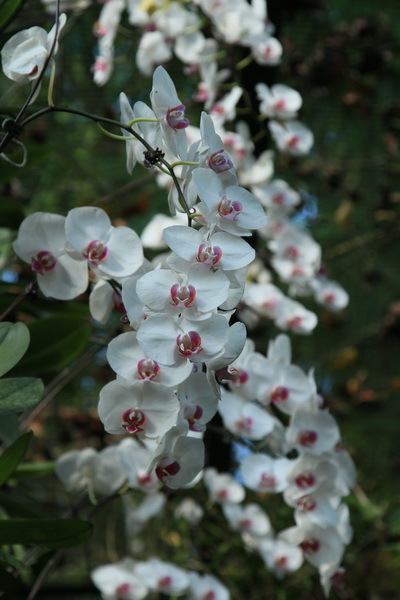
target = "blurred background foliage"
x: 344, y: 58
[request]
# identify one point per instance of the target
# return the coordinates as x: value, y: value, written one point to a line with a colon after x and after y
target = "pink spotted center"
x: 122, y: 590
x: 229, y: 209
x: 133, y: 420
x: 281, y: 562
x: 267, y: 481
x: 43, y: 262
x: 165, y: 582
x: 209, y: 255
x: 293, y: 142
x: 182, y: 295
x: 244, y: 424
x: 310, y: 545
x: 192, y: 413
x: 306, y: 504
x: 295, y: 322
x: 167, y: 466
x: 95, y: 252
x: 278, y: 199
x: 148, y: 369
x: 291, y: 252
x: 146, y: 481
x: 279, y: 394
x: 245, y: 523
x: 307, y: 438
x: 222, y: 494
x: 209, y: 595
x: 329, y: 298
x: 280, y: 104
x: 219, y: 161
x: 305, y: 480
x: 189, y: 344
x: 176, y: 117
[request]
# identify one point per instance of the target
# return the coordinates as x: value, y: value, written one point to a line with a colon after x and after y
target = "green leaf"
x: 14, y: 508
x: 37, y: 469
x: 53, y: 533
x: 8, y: 9
x: 18, y: 394
x: 55, y: 343
x: 9, y: 428
x: 13, y: 455
x: 10, y: 560
x: 14, y: 341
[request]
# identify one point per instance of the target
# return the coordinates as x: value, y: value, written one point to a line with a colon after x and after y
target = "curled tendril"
x: 24, y: 156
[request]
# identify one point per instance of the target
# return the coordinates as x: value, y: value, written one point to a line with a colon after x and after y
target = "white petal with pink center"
x: 178, y: 459
x: 135, y: 458
x: 198, y: 401
x: 280, y: 556
x: 207, y: 587
x: 127, y: 359
x: 110, y: 251
x: 233, y: 209
x: 293, y: 137
x: 222, y: 487
x: 310, y: 473
x: 277, y: 196
x: 320, y: 545
x: 143, y: 408
x: 265, y: 474
x: 291, y: 315
x: 288, y: 388
x: 279, y: 101
x: 316, y: 507
x: 119, y: 580
x: 173, y: 343
x: 163, y: 577
x: 41, y: 243
x: 249, y: 518
x: 220, y: 250
x: 244, y: 418
x: 193, y: 295
x: 312, y: 431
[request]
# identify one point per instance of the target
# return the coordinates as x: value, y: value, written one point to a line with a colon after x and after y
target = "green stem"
x: 244, y: 62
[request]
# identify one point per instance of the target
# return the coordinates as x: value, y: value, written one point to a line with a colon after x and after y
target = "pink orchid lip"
x: 44, y: 261
x: 267, y: 481
x: 95, y: 252
x: 133, y: 420
x: 167, y: 466
x: 165, y: 582
x: 229, y: 209
x: 219, y: 161
x: 176, y: 117
x: 310, y: 545
x: 122, y: 589
x: 305, y: 480
x: 148, y: 369
x: 209, y: 255
x: 182, y: 295
x: 279, y: 394
x: 306, y: 504
x: 307, y: 438
x: 192, y: 413
x: 189, y: 344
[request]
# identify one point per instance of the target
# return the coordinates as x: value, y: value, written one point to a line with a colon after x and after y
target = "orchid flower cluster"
x: 183, y: 355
